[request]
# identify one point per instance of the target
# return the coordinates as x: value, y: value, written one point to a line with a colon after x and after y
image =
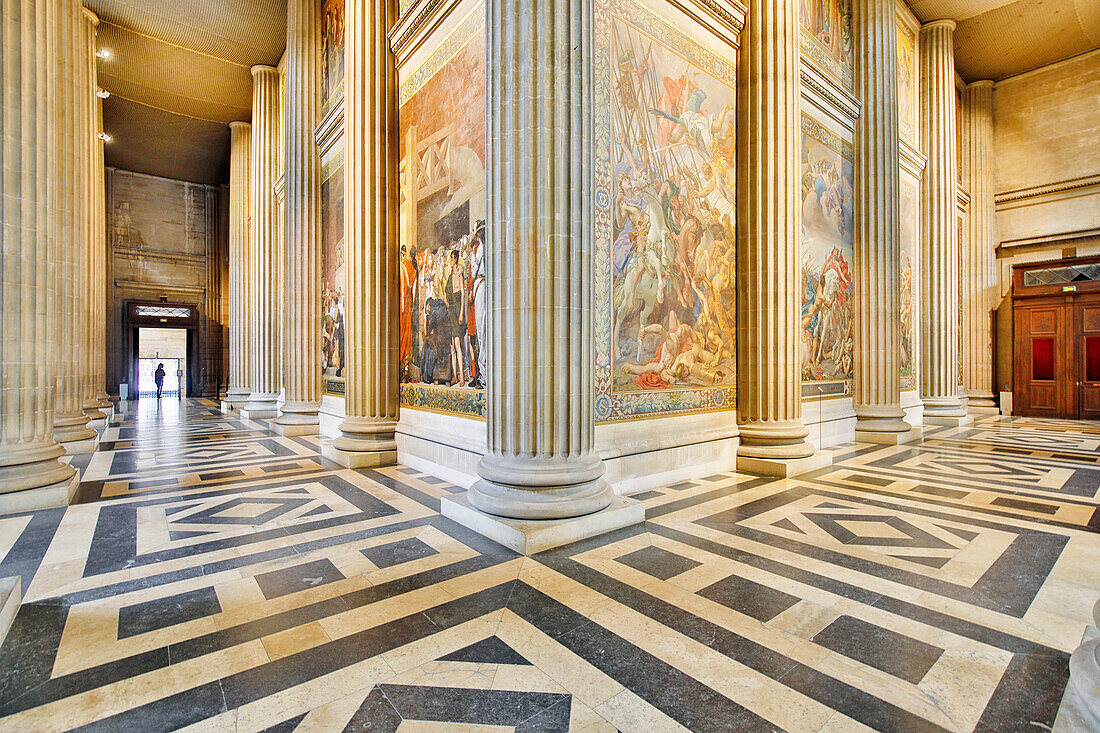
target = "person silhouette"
x: 158, y: 377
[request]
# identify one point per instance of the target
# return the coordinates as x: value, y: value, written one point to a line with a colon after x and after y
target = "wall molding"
x: 912, y: 160
x: 160, y: 289
x: 330, y: 130
x: 1068, y: 187
x: 1008, y: 247
x: 417, y: 24
x: 724, y: 18
x: 161, y: 255
x: 823, y: 92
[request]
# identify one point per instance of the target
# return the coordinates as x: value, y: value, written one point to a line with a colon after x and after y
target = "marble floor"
x: 215, y: 576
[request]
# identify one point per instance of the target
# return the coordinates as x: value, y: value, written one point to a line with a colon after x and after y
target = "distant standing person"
x: 158, y: 377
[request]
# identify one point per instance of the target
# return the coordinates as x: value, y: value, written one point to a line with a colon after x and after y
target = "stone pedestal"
x: 888, y: 437
x: 769, y: 386
x: 240, y: 358
x: 954, y: 421
x: 939, y: 269
x: 302, y: 222
x: 1080, y: 709
x: 371, y: 320
x: 57, y: 494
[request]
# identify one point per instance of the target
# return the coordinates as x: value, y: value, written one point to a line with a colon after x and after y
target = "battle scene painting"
x: 333, y: 281
x: 672, y: 248
x: 827, y: 308
x: 442, y: 286
x: 827, y: 36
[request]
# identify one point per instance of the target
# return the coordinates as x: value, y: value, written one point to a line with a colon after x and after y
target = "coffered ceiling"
x: 996, y: 39
x: 179, y: 71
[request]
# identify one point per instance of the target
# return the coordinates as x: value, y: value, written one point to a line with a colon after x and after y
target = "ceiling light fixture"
x: 105, y: 137
x: 104, y: 53
x: 103, y: 94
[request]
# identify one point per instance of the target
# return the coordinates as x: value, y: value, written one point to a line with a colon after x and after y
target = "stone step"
x: 10, y: 596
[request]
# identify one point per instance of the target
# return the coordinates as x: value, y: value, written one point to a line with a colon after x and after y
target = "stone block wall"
x: 167, y: 239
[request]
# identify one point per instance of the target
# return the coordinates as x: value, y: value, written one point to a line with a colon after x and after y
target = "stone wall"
x: 1047, y: 147
x: 167, y: 239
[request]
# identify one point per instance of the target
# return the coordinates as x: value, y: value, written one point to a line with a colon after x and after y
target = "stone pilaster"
x: 877, y: 389
x: 31, y: 476
x: 94, y: 346
x: 541, y: 463
x: 240, y: 324
x: 370, y: 237
x: 939, y: 269
x: 979, y: 261
x: 769, y: 389
x: 263, y: 248
x: 302, y: 221
x: 70, y: 423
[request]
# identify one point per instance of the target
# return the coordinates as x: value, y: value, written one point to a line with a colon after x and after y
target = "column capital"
x: 91, y: 17
x: 942, y: 23
x: 240, y: 125
x: 259, y: 69
x: 981, y: 84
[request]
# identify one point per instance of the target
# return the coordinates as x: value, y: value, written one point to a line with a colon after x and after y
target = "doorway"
x: 167, y: 347
x: 1056, y: 339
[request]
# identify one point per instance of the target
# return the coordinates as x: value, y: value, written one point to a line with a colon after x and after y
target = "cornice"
x: 331, y: 129
x: 418, y: 22
x: 912, y: 160
x: 827, y: 94
x: 962, y: 196
x: 1046, y: 189
x: 1048, y: 239
x: 725, y: 18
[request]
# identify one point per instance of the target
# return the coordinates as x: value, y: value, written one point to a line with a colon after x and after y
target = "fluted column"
x: 99, y: 245
x: 370, y: 235
x: 979, y: 262
x: 540, y: 463
x: 877, y: 389
x: 70, y: 423
x: 94, y: 347
x: 263, y: 248
x: 31, y: 476
x: 302, y: 220
x: 240, y: 324
x: 769, y: 389
x: 939, y: 269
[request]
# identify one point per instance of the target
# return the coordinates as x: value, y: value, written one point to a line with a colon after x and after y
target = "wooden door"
x: 1087, y: 319
x: 1045, y: 374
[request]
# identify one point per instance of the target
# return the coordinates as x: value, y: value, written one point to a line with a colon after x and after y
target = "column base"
x: 528, y: 536
x: 1080, y: 708
x: 98, y: 424
x: 260, y: 412
x: 295, y: 429
x: 951, y: 421
x: 84, y: 445
x: 227, y: 407
x: 888, y: 437
x: 44, y: 497
x: 785, y: 467
x: 359, y: 458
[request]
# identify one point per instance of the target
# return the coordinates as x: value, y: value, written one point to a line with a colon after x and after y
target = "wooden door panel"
x: 1043, y: 360
x: 1088, y: 356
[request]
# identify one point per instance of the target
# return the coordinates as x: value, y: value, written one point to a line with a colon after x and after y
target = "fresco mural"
x: 827, y: 307
x: 666, y: 313
x: 443, y: 235
x: 333, y: 279
x: 907, y: 83
x: 827, y: 36
x: 907, y: 283
x: 332, y: 50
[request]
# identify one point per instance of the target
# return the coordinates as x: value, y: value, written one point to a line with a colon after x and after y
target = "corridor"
x: 216, y: 575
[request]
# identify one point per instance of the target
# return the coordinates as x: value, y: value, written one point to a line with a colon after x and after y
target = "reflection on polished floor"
x: 220, y: 577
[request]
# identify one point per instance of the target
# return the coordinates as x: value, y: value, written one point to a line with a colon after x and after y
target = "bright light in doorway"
x: 105, y: 137
x: 104, y: 53
x: 103, y: 94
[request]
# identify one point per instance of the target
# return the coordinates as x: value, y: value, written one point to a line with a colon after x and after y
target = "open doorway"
x: 167, y: 346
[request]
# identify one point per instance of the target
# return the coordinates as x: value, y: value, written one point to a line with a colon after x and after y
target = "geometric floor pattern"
x: 215, y: 576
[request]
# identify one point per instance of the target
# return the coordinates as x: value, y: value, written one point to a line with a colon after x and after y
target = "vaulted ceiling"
x: 996, y: 39
x: 179, y: 71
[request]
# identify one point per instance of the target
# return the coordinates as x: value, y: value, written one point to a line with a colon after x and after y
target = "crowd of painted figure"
x: 332, y: 332
x: 443, y: 303
x: 672, y: 253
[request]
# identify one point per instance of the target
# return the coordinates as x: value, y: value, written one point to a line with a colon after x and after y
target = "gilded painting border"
x: 611, y: 406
